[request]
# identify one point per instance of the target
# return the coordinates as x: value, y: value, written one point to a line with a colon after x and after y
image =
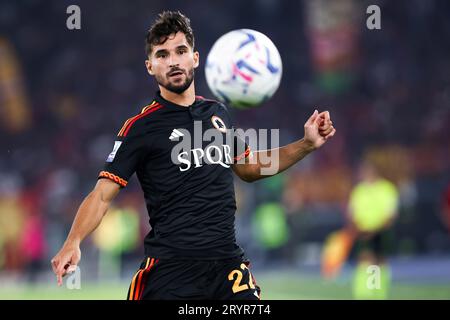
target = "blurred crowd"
x: 64, y: 95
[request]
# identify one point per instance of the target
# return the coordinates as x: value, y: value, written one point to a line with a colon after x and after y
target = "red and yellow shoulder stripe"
x: 145, y: 111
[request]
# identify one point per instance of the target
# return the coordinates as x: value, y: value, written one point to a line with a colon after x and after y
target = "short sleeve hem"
x: 108, y: 175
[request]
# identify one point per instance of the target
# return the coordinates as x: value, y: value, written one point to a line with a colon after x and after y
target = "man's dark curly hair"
x: 168, y: 22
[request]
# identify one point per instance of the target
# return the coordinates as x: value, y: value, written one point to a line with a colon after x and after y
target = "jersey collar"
x: 165, y: 102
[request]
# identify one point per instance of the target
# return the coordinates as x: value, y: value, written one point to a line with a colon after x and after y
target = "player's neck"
x: 185, y: 99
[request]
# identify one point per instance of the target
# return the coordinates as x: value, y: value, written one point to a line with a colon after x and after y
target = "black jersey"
x: 189, y: 192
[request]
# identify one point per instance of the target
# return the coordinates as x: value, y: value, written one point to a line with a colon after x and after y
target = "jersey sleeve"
x: 123, y: 160
x: 240, y: 149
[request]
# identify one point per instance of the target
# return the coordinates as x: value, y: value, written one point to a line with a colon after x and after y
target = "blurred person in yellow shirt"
x: 372, y: 210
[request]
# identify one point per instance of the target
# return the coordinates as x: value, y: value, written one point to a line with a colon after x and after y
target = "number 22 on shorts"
x: 237, y: 286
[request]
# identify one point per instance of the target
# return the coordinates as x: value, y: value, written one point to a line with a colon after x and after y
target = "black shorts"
x: 166, y: 279
x: 379, y: 244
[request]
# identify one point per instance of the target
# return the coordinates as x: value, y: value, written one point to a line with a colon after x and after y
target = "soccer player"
x: 191, y: 250
x: 373, y: 208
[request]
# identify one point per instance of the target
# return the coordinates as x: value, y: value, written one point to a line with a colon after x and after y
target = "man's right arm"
x: 88, y: 217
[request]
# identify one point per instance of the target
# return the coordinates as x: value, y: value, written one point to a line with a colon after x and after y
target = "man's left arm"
x: 318, y: 129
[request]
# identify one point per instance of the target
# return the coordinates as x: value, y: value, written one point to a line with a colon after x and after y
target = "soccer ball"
x: 243, y: 68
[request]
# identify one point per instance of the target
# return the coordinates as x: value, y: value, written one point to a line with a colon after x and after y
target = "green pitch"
x: 288, y: 287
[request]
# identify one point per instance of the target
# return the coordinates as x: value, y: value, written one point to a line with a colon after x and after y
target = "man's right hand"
x: 66, y: 261
x: 88, y: 217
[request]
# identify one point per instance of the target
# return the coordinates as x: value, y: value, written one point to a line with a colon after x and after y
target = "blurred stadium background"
x: 64, y: 94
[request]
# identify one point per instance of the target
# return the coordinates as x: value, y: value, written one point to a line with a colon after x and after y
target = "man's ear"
x: 196, y: 59
x: 148, y: 65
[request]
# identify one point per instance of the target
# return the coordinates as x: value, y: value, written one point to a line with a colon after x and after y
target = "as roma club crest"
x: 219, y: 124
